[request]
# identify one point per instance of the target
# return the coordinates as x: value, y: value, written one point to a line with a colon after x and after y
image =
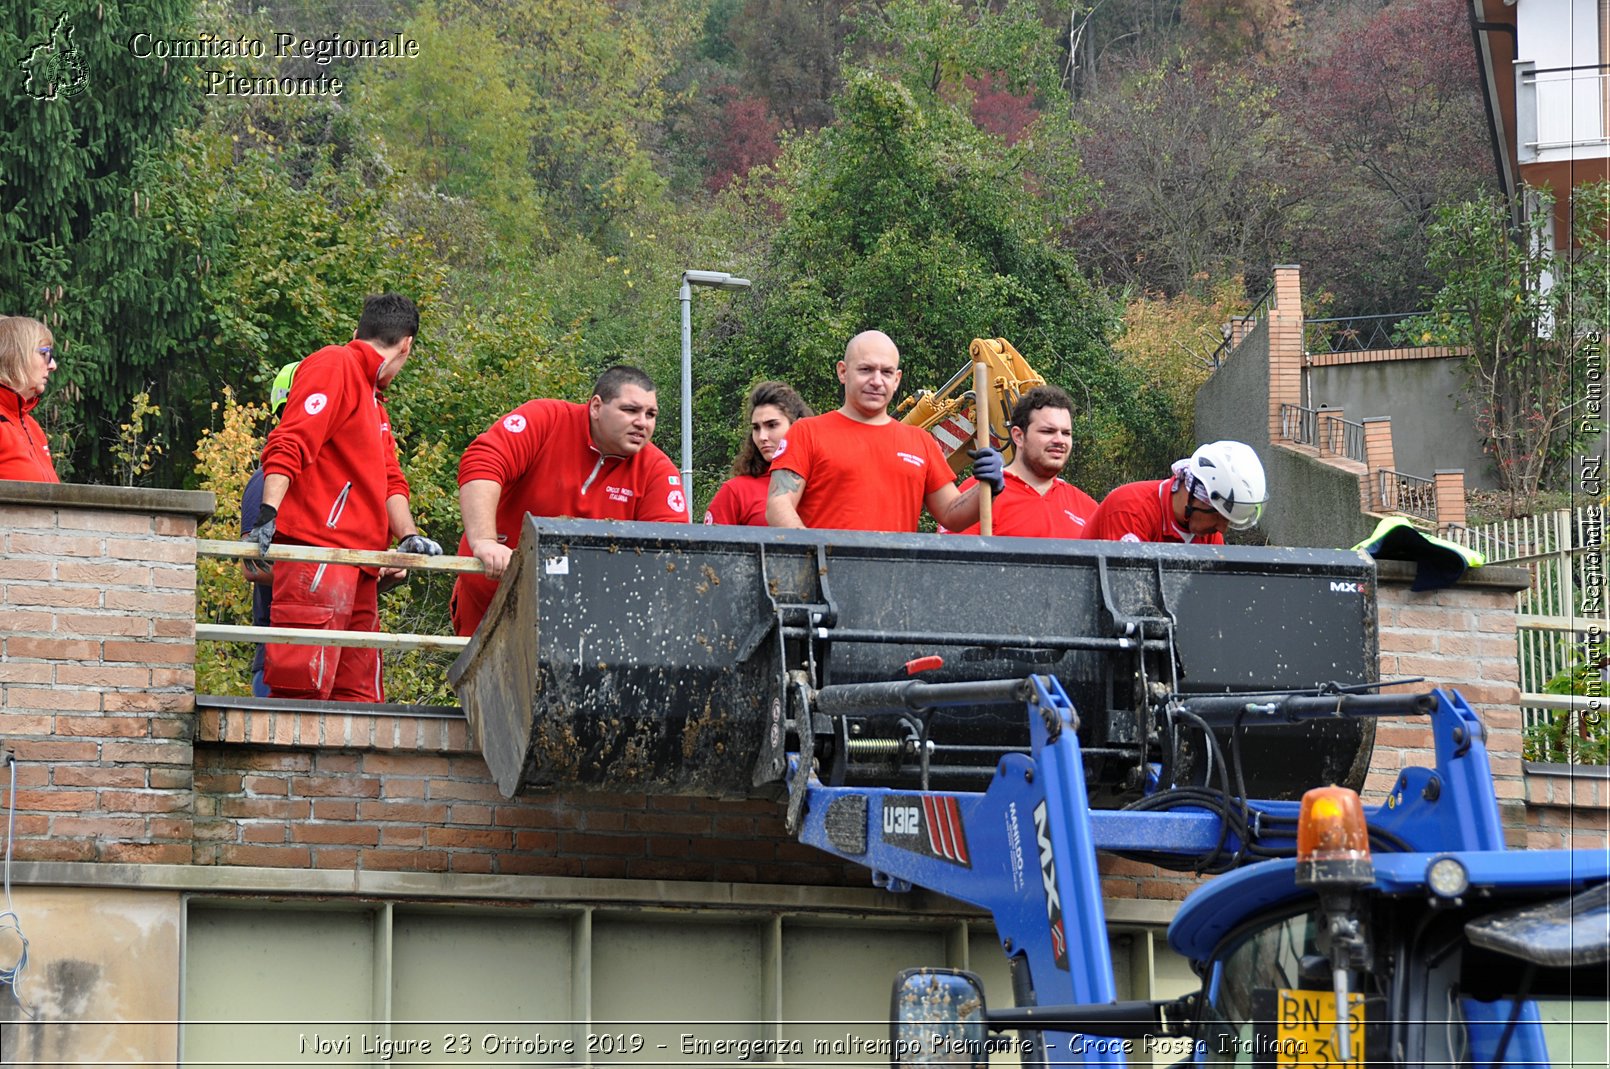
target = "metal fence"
x: 1353, y: 334
x: 1240, y: 326
x: 1562, y: 623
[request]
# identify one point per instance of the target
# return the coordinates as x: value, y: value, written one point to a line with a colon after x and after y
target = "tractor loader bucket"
x: 674, y: 659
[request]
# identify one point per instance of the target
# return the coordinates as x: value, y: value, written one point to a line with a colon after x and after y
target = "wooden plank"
x: 311, y: 637
x: 213, y: 547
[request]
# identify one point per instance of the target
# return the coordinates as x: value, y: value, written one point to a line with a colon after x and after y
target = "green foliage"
x: 85, y: 117
x: 1527, y: 316
x: 593, y: 74
x: 934, y: 47
x: 1575, y: 738
x: 136, y: 447
x: 460, y: 124
x: 225, y: 458
x: 909, y: 219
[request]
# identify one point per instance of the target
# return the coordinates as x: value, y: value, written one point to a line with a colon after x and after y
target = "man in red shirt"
x: 1218, y: 488
x: 1036, y: 503
x: 860, y: 469
x: 556, y: 458
x: 331, y: 478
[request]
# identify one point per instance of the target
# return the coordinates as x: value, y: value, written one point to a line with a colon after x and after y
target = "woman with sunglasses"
x: 26, y: 362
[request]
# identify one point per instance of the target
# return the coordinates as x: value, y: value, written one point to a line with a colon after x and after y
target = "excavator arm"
x: 950, y: 415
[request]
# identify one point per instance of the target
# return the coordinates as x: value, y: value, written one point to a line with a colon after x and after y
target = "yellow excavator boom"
x: 949, y: 413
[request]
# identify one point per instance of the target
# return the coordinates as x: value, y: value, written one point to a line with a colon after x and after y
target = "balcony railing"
x: 1562, y: 107
x: 1297, y: 424
x: 1397, y: 491
x: 1339, y: 437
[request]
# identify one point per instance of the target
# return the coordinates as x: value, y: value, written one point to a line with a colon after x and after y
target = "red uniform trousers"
x: 329, y: 597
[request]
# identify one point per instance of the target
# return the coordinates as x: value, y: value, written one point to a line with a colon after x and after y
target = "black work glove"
x: 418, y: 543
x: 262, y: 531
x: 989, y: 467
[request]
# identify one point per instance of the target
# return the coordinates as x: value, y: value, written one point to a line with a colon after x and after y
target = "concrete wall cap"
x: 1559, y: 771
x: 121, y: 498
x: 1492, y: 577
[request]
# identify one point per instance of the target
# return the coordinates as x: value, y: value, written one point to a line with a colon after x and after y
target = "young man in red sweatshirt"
x: 1036, y: 502
x: 557, y: 458
x: 331, y: 478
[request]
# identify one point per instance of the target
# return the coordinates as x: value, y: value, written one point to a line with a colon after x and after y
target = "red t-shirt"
x: 1063, y: 511
x: 24, y: 454
x: 543, y: 456
x: 334, y: 443
x: 862, y: 476
x: 741, y: 501
x: 1143, y: 512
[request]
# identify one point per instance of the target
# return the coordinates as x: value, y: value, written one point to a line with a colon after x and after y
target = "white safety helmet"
x: 1230, y: 476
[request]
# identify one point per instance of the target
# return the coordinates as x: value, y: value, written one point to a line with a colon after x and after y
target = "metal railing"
x: 1353, y: 334
x: 1297, y: 424
x: 1564, y: 612
x: 1340, y: 437
x: 1398, y: 491
x: 1240, y: 326
x: 1330, y: 434
x: 240, y: 550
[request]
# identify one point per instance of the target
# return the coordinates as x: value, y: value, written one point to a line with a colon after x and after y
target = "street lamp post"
x: 717, y: 280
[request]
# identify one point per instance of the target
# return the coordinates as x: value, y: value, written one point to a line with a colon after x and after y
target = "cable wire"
x: 9, y: 921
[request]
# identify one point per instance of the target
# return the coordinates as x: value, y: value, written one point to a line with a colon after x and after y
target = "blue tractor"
x: 981, y: 716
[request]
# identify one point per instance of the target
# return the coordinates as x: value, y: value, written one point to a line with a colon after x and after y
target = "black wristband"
x: 265, y: 514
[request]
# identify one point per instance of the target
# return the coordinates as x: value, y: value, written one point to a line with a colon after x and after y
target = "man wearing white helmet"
x: 1219, y: 487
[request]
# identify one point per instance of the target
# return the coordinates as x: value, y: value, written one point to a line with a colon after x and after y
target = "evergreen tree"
x: 85, y: 115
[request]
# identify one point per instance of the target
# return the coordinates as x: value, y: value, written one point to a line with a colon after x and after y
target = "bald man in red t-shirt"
x: 860, y: 469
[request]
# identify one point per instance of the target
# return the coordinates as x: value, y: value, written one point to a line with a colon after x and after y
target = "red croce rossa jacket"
x: 24, y: 454
x: 334, y: 443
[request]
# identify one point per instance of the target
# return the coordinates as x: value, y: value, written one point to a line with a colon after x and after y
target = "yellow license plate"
x: 1305, y: 1031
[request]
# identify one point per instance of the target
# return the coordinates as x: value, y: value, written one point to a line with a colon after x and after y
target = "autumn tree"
x: 787, y: 53
x: 1193, y: 170
x: 1389, y: 128
x: 1170, y: 340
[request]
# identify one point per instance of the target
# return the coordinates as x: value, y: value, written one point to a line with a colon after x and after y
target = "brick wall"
x: 428, y: 804
x: 1567, y: 807
x: 97, y: 677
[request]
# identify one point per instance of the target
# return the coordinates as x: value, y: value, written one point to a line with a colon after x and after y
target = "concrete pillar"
x: 1285, y: 345
x: 1450, y: 498
x: 1377, y: 456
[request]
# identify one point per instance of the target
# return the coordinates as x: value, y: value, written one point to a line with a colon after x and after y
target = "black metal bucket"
x: 653, y: 657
